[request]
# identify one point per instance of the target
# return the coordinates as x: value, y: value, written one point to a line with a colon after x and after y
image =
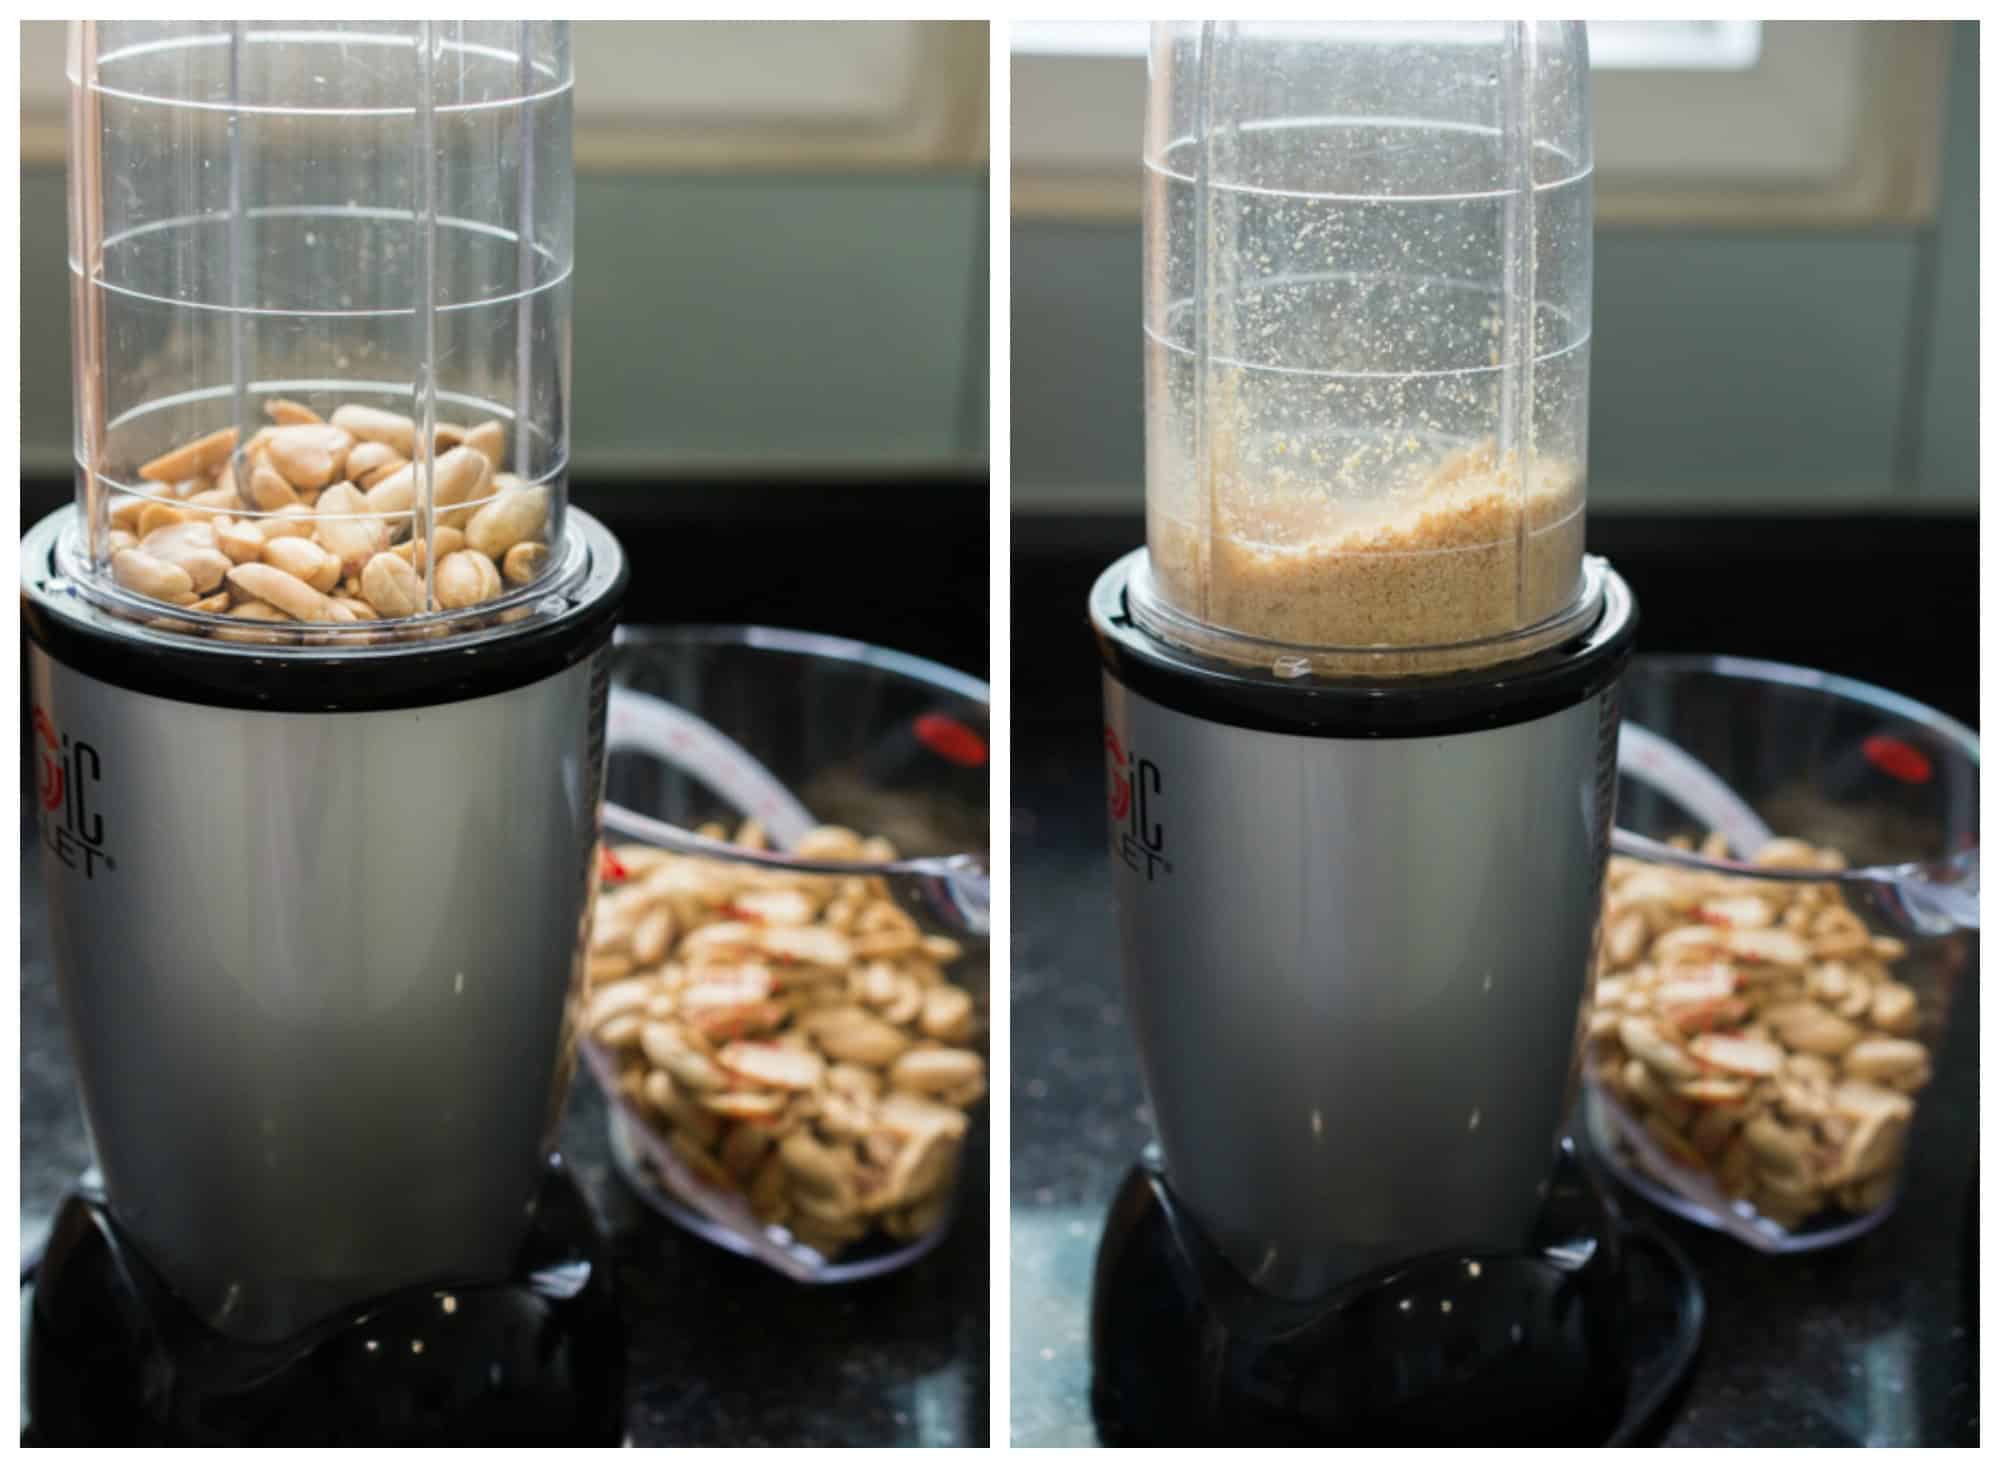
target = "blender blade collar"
x: 1579, y: 1339
x: 538, y: 1358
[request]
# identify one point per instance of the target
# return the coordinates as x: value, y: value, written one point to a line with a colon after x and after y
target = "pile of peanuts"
x: 321, y: 528
x: 1757, y: 1030
x: 792, y: 1036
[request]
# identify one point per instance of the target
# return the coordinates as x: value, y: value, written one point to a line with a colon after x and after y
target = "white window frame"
x: 1833, y: 124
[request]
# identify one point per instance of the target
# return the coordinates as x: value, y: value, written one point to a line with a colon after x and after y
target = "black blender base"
x: 1575, y: 1341
x: 113, y: 1358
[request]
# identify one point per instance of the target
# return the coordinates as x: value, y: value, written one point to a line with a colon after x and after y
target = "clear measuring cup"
x: 710, y: 727
x: 1751, y: 751
x: 1367, y: 315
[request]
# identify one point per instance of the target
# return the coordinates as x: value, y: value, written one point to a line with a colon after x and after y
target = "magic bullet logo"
x: 68, y: 776
x: 1137, y: 833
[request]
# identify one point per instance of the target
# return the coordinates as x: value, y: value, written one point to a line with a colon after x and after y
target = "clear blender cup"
x: 1367, y: 315
x: 323, y: 296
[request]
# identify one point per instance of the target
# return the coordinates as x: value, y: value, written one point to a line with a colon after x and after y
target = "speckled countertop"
x: 722, y: 1352
x: 1875, y: 1342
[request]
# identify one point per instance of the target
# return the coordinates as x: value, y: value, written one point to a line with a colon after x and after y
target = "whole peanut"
x: 378, y: 426
x: 392, y: 586
x: 347, y: 529
x: 150, y: 576
x: 490, y: 439
x: 310, y: 455
x: 270, y: 490
x: 465, y: 578
x: 200, y: 457
x: 312, y: 563
x: 512, y: 516
x: 280, y: 589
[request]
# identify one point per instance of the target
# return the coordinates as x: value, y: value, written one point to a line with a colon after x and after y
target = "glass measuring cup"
x: 792, y: 730
x: 1749, y: 749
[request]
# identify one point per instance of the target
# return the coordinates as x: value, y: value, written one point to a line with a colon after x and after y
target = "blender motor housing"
x: 316, y: 916
x: 1357, y: 922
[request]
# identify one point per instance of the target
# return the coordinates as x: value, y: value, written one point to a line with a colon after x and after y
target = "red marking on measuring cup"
x: 1896, y: 759
x: 951, y: 740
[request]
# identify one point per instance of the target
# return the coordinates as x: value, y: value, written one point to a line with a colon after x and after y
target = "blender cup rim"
x: 1285, y: 700
x: 634, y: 825
x: 102, y: 630
x: 1152, y: 610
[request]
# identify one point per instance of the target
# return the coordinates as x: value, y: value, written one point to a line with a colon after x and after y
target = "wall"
x: 760, y: 292
x: 1739, y: 370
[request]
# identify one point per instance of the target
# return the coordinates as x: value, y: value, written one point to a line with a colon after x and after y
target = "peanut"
x: 270, y: 490
x: 150, y: 576
x: 367, y: 456
x: 490, y: 439
x: 465, y: 578
x: 459, y: 472
x: 374, y: 425
x: 346, y: 529
x: 254, y: 611
x: 512, y: 516
x: 282, y: 590
x: 318, y: 567
x: 285, y: 411
x: 191, y: 546
x: 154, y: 515
x: 417, y: 553
x: 1782, y: 1002
x: 827, y: 1089
x: 200, y: 457
x: 379, y: 473
x: 525, y: 561
x: 292, y: 520
x: 310, y: 455
x: 392, y: 586
x: 240, y: 540
x: 210, y: 505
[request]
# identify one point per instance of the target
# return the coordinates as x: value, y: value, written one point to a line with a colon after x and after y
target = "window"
x: 1615, y: 45
x: 710, y: 94
x: 1711, y: 123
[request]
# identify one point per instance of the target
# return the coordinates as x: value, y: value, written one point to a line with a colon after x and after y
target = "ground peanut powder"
x: 1443, y: 561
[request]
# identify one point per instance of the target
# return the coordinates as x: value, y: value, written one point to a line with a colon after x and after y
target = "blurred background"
x: 780, y: 318
x: 1785, y: 404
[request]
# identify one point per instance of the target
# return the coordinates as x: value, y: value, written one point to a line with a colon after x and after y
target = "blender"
x: 1360, y: 732
x: 318, y: 674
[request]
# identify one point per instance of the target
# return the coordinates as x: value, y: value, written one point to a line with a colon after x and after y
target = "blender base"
x: 1577, y: 1340
x: 114, y: 1358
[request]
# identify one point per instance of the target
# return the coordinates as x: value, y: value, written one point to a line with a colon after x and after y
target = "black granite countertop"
x: 721, y: 1351
x: 1873, y: 1342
